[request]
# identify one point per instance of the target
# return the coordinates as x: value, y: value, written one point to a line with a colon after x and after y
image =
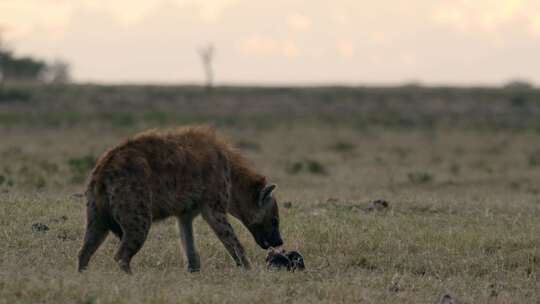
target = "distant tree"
x: 29, y: 69
x: 14, y: 68
x: 207, y: 56
x: 2, y: 46
x: 519, y: 84
x: 21, y: 69
x: 57, y: 72
x: 3, y: 57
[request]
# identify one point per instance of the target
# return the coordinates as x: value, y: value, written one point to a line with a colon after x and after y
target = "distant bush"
x: 8, y: 95
x: 15, y: 68
x: 518, y: 100
x: 520, y: 92
x: 295, y: 167
x: 20, y: 68
x: 420, y: 177
x: 519, y: 84
x: 315, y: 167
x: 343, y: 146
x: 308, y: 166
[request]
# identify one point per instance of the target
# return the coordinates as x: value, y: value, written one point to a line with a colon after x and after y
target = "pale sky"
x: 283, y: 41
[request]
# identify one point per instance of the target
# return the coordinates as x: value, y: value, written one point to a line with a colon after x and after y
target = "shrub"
x: 343, y: 146
x: 315, y: 167
x: 420, y: 177
x: 295, y: 167
x: 308, y: 166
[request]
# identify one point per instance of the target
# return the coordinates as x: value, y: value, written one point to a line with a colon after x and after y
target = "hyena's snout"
x: 275, y: 239
x: 267, y: 238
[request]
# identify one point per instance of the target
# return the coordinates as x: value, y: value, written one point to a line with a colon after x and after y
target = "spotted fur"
x: 154, y: 175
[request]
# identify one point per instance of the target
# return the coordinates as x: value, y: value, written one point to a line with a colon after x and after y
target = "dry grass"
x: 471, y: 229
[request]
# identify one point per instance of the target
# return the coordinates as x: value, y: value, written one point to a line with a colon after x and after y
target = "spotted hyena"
x: 153, y: 176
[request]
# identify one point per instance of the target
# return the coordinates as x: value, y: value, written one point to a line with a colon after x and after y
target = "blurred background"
x: 340, y: 71
x: 445, y: 42
x: 318, y: 75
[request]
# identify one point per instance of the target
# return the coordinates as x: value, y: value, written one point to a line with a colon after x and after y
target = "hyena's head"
x: 264, y: 221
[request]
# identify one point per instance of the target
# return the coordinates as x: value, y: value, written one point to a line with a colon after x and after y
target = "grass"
x: 462, y: 218
x: 80, y: 167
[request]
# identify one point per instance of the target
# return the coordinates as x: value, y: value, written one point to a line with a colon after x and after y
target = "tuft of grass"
x: 39, y: 227
x: 39, y: 182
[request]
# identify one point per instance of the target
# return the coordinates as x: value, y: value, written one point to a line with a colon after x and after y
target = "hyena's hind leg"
x: 130, y: 210
x: 185, y: 224
x: 96, y: 232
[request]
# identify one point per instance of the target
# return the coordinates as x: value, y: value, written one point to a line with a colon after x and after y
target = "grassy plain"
x: 459, y: 167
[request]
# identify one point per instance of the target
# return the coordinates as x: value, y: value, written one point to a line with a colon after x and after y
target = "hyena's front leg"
x: 220, y: 225
x: 185, y: 224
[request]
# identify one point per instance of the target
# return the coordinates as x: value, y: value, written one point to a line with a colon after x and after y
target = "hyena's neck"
x: 245, y: 187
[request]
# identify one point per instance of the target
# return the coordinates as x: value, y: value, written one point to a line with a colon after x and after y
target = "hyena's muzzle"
x: 266, y: 237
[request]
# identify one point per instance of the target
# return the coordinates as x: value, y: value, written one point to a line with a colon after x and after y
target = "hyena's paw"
x: 124, y: 265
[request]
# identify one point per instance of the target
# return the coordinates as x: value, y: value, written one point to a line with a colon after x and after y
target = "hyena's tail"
x: 97, y: 227
x: 97, y: 196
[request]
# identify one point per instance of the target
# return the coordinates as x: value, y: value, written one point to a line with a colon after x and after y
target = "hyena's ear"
x: 266, y: 194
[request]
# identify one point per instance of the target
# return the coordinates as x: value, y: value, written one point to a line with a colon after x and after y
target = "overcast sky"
x: 283, y: 41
